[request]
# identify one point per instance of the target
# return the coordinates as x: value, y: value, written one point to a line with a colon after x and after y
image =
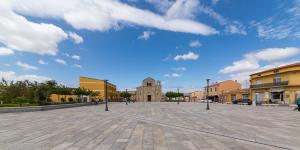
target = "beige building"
x: 197, y: 96
x: 150, y: 91
x: 219, y: 88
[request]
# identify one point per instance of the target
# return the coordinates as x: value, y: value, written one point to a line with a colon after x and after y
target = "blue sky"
x: 179, y: 42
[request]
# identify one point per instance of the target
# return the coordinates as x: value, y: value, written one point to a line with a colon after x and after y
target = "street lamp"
x: 178, y: 95
x: 126, y: 98
x: 207, y: 106
x: 106, y: 108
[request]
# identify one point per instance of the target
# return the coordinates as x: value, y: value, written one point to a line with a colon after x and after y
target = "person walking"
x: 298, y: 104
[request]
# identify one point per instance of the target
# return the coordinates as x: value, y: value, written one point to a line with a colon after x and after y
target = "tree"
x: 171, y: 95
x: 125, y: 94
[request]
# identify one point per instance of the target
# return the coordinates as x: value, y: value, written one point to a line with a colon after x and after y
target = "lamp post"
x: 126, y: 98
x: 106, y: 108
x: 178, y: 95
x: 207, y: 106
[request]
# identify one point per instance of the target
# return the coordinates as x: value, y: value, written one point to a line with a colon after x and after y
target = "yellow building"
x: 55, y: 98
x: 278, y: 85
x: 241, y: 95
x: 100, y: 86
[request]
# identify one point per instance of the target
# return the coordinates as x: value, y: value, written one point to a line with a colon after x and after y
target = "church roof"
x: 148, y: 78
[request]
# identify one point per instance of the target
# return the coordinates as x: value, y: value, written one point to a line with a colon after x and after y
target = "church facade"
x: 150, y: 91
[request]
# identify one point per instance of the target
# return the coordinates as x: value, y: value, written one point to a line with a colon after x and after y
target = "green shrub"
x: 22, y: 100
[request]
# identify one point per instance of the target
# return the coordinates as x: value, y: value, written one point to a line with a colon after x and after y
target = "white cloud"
x: 195, y: 43
x: 26, y: 66
x: 77, y: 66
x: 246, y: 64
x: 175, y: 75
x: 42, y: 62
x: 6, y: 51
x: 77, y: 39
x: 231, y: 27
x: 76, y: 57
x: 188, y: 56
x: 161, y: 5
x: 179, y: 69
x: 250, y: 62
x: 272, y: 54
x: 19, y: 34
x: 66, y: 54
x: 106, y: 14
x: 146, y: 35
x: 7, y: 65
x: 60, y: 61
x: 12, y: 76
x: 184, y: 9
x: 235, y: 28
x: 282, y: 25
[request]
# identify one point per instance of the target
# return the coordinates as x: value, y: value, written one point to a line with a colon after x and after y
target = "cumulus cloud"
x: 42, y: 62
x: 19, y: 34
x: 26, y: 66
x: 77, y: 39
x: 12, y: 76
x: 76, y: 57
x: 146, y: 35
x: 6, y: 51
x: 251, y: 62
x: 60, y: 61
x: 77, y: 66
x: 188, y: 56
x: 195, y: 43
x: 106, y: 14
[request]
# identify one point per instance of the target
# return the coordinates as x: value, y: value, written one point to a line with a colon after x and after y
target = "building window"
x: 149, y: 84
x: 233, y: 97
x: 258, y: 82
x: 211, y: 89
x: 277, y: 79
x: 215, y: 88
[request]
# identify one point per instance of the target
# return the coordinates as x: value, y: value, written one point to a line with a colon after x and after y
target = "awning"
x: 277, y: 90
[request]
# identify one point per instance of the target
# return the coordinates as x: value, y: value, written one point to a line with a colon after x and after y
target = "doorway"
x: 149, y: 98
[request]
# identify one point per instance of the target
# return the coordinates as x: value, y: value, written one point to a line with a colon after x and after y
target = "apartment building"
x: 280, y: 85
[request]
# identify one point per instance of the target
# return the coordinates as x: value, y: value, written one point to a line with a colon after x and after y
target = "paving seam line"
x: 206, y: 132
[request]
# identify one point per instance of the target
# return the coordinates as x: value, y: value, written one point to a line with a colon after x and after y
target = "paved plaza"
x: 158, y: 126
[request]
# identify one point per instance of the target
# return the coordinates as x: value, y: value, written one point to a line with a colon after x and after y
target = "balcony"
x: 269, y: 85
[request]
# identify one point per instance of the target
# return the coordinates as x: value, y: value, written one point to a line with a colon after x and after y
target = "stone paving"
x: 158, y: 126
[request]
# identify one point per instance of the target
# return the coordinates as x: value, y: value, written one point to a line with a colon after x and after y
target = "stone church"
x: 150, y: 91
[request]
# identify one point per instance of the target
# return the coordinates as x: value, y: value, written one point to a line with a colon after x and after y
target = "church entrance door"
x: 149, y: 98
